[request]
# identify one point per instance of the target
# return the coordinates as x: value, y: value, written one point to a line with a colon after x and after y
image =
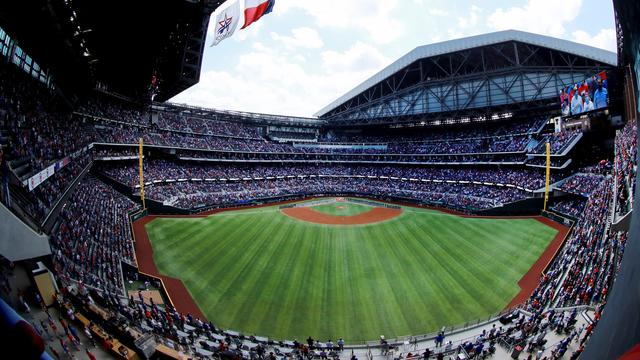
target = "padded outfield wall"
x: 531, y: 206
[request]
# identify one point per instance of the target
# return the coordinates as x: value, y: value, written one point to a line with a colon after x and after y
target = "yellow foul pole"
x: 144, y: 205
x: 548, y: 175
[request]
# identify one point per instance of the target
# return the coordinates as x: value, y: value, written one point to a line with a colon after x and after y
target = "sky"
x: 307, y: 53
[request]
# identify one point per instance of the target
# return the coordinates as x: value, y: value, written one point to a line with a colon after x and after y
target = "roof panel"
x: 471, y: 42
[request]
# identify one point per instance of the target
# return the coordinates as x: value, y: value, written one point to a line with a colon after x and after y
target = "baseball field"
x: 338, y: 268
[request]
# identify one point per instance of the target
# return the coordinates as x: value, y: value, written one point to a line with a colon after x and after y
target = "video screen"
x: 588, y: 95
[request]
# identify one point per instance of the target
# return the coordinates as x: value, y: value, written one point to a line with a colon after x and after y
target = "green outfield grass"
x: 261, y: 272
x: 342, y: 208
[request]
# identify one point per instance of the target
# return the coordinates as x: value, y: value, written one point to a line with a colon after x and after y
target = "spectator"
x: 588, y: 104
x: 576, y: 103
x: 601, y: 95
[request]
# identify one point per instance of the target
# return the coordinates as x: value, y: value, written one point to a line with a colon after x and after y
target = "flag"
x: 227, y: 22
x: 255, y: 9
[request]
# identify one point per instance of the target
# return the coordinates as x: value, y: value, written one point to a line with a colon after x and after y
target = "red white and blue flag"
x: 255, y: 9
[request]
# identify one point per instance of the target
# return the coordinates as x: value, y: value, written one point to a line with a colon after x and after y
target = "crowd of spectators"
x: 582, y: 184
x: 96, y: 216
x: 467, y: 146
x: 115, y: 152
x: 572, y: 207
x: 200, y: 194
x: 193, y: 185
x: 530, y: 332
x: 39, y: 129
x: 487, y: 131
x: 584, y: 269
x: 626, y: 165
x: 197, y: 125
x: 93, y: 236
x: 120, y: 110
x: 184, y: 131
x: 542, y: 161
x: 559, y: 141
x: 486, y: 158
x: 532, y: 179
x: 130, y: 135
x: 587, y: 95
x: 40, y: 201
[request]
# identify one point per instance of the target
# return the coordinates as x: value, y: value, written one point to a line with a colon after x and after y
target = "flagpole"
x: 547, y: 176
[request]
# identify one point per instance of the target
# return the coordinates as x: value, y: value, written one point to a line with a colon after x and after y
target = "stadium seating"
x: 583, y: 271
x: 426, y: 184
x: 559, y: 141
x: 163, y: 170
x: 37, y: 129
x: 467, y: 169
x: 190, y: 195
x: 581, y: 184
x: 573, y: 207
x: 626, y: 166
x: 94, y: 236
x: 169, y: 121
x: 512, y: 128
x: 198, y: 133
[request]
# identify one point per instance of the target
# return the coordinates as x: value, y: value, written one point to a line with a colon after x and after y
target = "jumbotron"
x: 474, y: 199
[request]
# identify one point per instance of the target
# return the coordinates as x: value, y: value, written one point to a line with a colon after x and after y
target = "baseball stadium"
x: 470, y: 199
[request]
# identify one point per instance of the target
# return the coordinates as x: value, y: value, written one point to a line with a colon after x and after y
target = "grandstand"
x: 471, y: 130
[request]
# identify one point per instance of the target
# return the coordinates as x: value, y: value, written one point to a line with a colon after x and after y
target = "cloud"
x: 373, y: 17
x: 303, y: 37
x: 437, y: 12
x: 471, y: 19
x: 265, y: 79
x: 547, y: 17
x: 251, y: 32
x: 605, y: 39
x: 467, y: 25
x: 360, y: 57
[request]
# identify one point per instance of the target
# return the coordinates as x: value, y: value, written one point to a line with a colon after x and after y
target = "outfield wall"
x: 526, y: 207
x: 157, y: 207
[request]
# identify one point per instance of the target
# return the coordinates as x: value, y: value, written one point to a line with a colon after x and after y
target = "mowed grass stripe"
x: 402, y: 275
x: 433, y: 299
x: 386, y: 312
x: 468, y: 271
x: 263, y: 273
x: 273, y: 286
x: 449, y: 270
x: 234, y: 273
x: 475, y: 270
x: 177, y: 243
x: 304, y: 304
x: 363, y: 293
x: 294, y: 285
x: 200, y: 260
x: 435, y: 290
x: 261, y: 284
